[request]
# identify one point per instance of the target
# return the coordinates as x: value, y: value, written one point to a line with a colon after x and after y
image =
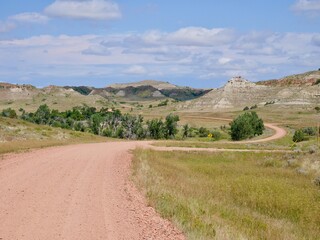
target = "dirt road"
x: 76, y: 192
x: 80, y: 192
x: 278, y: 131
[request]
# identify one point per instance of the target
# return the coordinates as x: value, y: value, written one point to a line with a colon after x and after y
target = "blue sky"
x: 194, y: 43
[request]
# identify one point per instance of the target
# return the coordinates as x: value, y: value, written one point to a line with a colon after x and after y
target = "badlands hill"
x: 237, y: 93
x: 304, y: 79
x: 143, y: 90
x: 160, y: 85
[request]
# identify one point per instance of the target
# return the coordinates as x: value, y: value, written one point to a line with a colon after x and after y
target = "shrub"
x: 269, y: 103
x: 254, y: 107
x: 163, y: 103
x: 185, y: 130
x: 317, y: 108
x: 216, y: 135
x: 171, y: 124
x: 203, y: 132
x: 246, y: 108
x: 317, y: 82
x: 8, y: 112
x: 310, y: 131
x: 298, y: 136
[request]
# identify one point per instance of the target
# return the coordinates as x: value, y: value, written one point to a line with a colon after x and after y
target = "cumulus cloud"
x: 197, y: 36
x: 84, y: 9
x: 6, y: 26
x: 307, y: 5
x: 30, y: 17
x: 190, y: 36
x: 135, y: 69
x: 156, y: 53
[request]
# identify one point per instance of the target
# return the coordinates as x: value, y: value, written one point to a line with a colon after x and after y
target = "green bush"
x: 310, y: 131
x: 298, y: 136
x: 203, y: 132
x: 216, y: 135
x: 246, y: 126
x: 8, y: 112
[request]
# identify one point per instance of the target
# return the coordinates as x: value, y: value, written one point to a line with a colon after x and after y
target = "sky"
x: 192, y: 43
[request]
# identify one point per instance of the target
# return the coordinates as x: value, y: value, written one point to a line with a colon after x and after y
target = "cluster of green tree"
x: 115, y: 124
x: 246, y: 126
x: 105, y: 122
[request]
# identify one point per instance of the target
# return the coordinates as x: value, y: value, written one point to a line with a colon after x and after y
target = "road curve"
x: 76, y: 192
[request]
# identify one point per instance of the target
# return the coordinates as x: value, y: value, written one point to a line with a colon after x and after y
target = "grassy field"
x: 17, y: 135
x: 233, y: 195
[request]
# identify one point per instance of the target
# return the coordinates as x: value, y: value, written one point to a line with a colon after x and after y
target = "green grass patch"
x: 230, y: 195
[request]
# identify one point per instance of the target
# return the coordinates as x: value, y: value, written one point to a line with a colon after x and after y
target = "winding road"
x: 79, y: 192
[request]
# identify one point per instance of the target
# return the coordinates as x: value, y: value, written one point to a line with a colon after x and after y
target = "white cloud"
x: 84, y: 9
x: 6, y: 26
x: 197, y: 36
x: 307, y: 5
x: 190, y: 36
x: 136, y: 69
x: 253, y: 54
x: 224, y: 60
x: 30, y: 17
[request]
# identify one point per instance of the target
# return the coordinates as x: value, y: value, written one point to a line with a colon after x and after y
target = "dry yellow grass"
x: 232, y: 195
x: 17, y: 135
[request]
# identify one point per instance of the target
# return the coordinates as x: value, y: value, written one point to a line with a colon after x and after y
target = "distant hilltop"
x: 237, y: 93
x: 153, y: 83
x: 303, y: 79
x: 300, y: 89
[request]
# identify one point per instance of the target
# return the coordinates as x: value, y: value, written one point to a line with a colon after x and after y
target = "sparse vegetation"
x: 231, y: 195
x: 269, y: 103
x: 163, y: 103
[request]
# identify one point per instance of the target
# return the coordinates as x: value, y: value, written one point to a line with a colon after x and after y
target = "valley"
x: 198, y: 182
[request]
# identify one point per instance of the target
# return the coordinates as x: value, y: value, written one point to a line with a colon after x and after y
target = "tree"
x: 185, y: 130
x: 246, y: 125
x: 42, y: 115
x: 156, y: 128
x: 171, y: 124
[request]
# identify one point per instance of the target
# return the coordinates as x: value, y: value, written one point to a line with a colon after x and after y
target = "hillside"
x: 143, y: 90
x: 304, y: 79
x: 29, y: 97
x: 239, y: 92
